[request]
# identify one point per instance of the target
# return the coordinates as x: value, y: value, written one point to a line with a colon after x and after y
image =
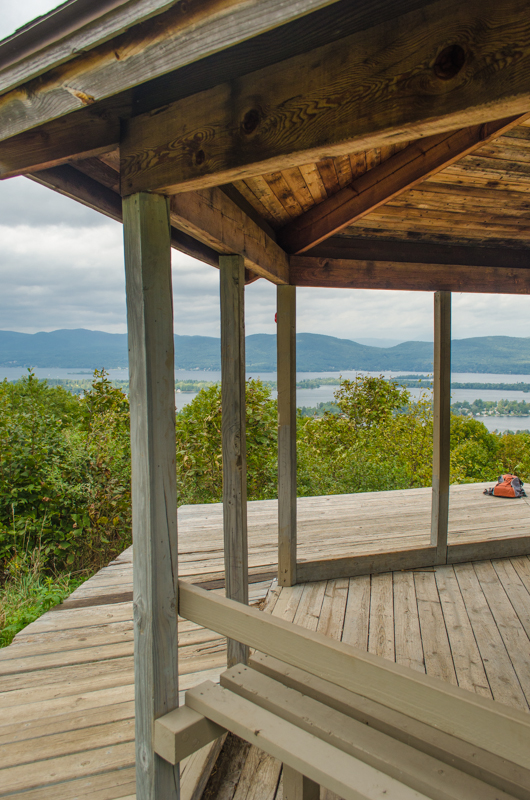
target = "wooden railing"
x: 472, y: 718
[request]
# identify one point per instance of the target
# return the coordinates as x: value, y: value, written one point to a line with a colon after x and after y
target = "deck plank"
x: 467, y: 662
x: 66, y: 685
x: 503, y: 681
x: 436, y: 648
x: 408, y: 644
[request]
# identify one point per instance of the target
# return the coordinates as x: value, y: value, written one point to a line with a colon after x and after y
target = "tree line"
x: 65, y: 498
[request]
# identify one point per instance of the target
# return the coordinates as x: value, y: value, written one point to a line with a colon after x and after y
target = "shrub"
x: 64, y: 473
x: 199, y: 445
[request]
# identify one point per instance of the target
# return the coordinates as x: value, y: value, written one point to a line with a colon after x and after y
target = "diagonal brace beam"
x: 411, y: 166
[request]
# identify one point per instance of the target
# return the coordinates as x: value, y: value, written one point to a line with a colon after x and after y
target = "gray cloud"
x: 61, y: 266
x: 25, y: 201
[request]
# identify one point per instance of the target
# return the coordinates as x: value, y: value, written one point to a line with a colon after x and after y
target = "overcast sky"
x: 61, y: 266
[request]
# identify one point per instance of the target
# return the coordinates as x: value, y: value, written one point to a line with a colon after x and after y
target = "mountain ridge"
x: 86, y: 349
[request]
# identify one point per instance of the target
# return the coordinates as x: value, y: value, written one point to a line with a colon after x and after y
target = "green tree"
x: 199, y: 445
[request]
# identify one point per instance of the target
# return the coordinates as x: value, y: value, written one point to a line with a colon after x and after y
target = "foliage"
x: 199, y: 458
x: 65, y: 502
x: 319, y: 410
x: 380, y: 440
x: 27, y: 592
x: 64, y: 473
x: 493, y: 408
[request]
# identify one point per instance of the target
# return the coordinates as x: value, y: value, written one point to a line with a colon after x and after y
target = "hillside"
x: 84, y: 349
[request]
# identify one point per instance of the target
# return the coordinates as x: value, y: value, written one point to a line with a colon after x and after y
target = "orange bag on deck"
x: 507, y: 486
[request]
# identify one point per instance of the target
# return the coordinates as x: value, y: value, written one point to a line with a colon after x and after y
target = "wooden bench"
x: 401, y: 735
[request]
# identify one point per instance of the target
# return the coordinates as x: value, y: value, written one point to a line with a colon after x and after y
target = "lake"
x: 311, y: 397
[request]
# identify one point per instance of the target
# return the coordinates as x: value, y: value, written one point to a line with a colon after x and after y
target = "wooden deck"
x: 66, y: 722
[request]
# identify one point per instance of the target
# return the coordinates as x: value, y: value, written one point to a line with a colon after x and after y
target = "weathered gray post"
x: 152, y: 397
x: 441, y: 424
x: 286, y: 375
x: 234, y: 438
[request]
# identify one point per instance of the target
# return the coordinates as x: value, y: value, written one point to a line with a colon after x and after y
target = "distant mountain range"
x: 84, y: 349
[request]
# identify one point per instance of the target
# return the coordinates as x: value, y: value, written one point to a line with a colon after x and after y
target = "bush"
x: 379, y: 441
x: 64, y: 473
x: 199, y: 445
x: 28, y: 592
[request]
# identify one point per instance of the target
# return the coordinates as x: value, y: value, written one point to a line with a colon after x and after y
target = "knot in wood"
x: 200, y: 157
x: 449, y: 62
x: 251, y: 121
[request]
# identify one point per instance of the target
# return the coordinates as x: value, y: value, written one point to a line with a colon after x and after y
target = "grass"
x: 26, y: 593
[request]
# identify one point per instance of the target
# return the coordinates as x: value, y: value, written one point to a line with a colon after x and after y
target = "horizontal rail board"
x: 332, y: 768
x: 474, y: 719
x: 495, y: 771
x: 348, y: 567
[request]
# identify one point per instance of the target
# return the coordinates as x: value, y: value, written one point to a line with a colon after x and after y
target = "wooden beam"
x: 399, y: 251
x: 139, y: 41
x: 216, y: 220
x: 286, y: 369
x: 406, y: 169
x: 475, y: 719
x: 507, y: 547
x: 428, y: 776
x: 473, y: 760
x: 61, y: 141
x: 196, y: 770
x: 154, y: 496
x: 182, y: 732
x: 297, y: 787
x: 68, y: 181
x: 336, y: 273
x: 341, y: 773
x: 234, y: 438
x: 418, y: 74
x: 441, y: 454
x: 349, y: 566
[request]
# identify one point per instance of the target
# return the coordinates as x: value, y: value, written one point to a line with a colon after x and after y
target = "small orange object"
x: 506, y: 487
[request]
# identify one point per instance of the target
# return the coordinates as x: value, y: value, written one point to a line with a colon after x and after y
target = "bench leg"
x: 297, y: 787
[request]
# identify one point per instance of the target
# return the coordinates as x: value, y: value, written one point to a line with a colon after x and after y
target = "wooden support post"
x: 286, y: 375
x: 234, y: 439
x: 441, y: 424
x: 297, y: 787
x: 154, y: 496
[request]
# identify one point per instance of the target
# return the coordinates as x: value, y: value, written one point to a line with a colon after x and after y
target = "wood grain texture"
x: 63, y: 140
x: 184, y: 34
x: 430, y: 253
x: 232, y: 284
x: 298, y: 111
x: 286, y: 375
x: 474, y: 719
x: 152, y: 399
x: 329, y: 568
x: 335, y: 273
x: 431, y: 778
x: 214, y: 219
x: 469, y: 759
x: 441, y: 451
x: 406, y: 169
x: 324, y: 764
x: 58, y: 712
x: 297, y: 787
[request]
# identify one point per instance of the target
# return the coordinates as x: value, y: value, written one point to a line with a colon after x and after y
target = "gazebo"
x: 315, y: 143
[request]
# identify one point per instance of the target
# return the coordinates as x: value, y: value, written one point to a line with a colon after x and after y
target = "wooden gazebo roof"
x: 362, y: 145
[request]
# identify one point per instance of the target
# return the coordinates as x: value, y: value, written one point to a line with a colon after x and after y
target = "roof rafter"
x: 348, y: 263
x: 416, y: 75
x: 406, y: 169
